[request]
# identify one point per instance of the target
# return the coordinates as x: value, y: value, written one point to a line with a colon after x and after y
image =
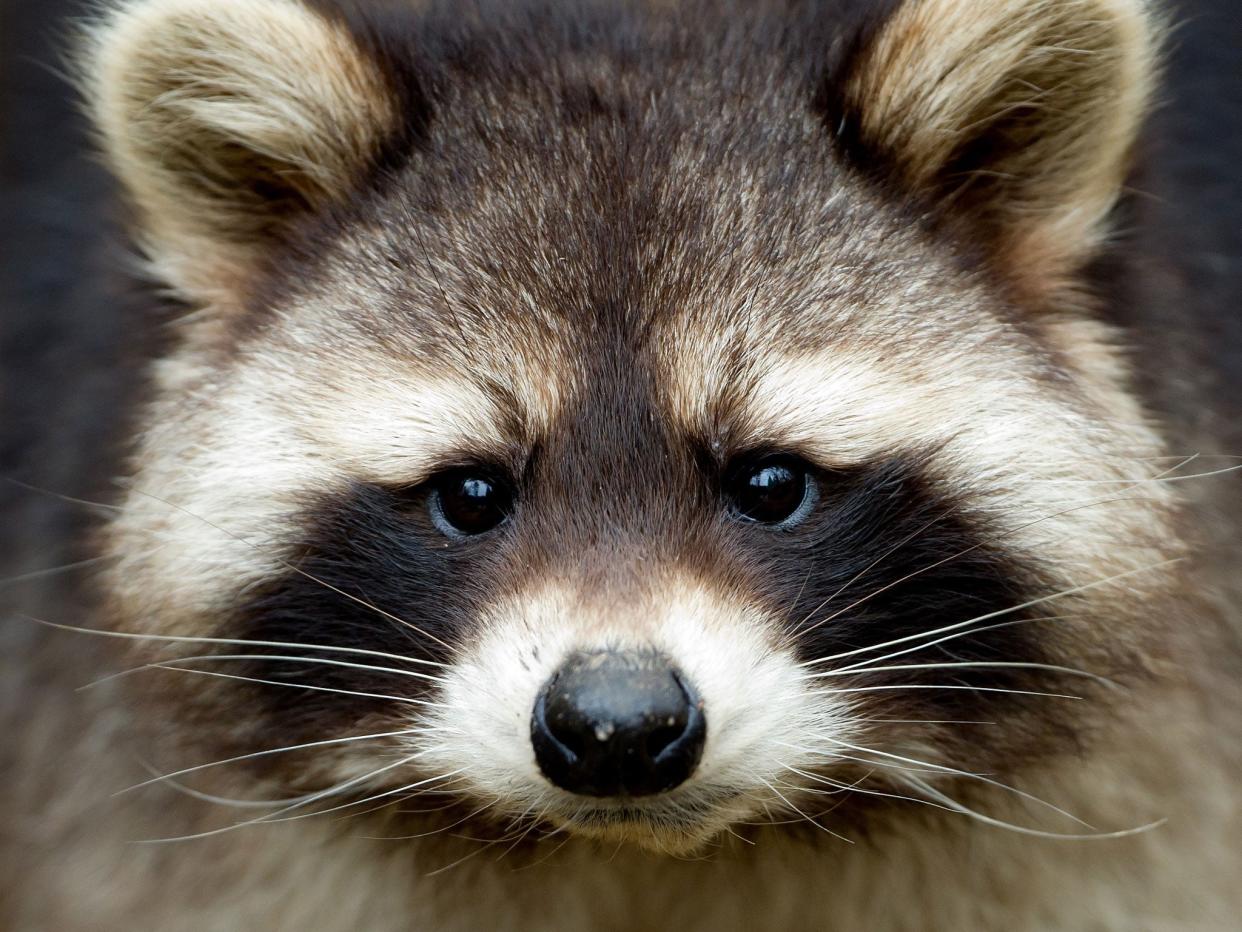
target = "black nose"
x: 617, y: 724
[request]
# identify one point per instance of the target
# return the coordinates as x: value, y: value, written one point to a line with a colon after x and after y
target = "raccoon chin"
x: 660, y: 830
x: 680, y: 826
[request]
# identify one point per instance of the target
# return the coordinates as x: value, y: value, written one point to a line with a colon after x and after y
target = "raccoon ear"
x: 1016, y: 116
x: 224, y: 119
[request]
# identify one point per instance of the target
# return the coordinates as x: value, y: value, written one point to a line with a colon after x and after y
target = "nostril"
x: 660, y: 737
x: 611, y: 723
x: 562, y: 728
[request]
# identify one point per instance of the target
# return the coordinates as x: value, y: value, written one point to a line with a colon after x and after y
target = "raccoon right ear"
x: 1015, y: 116
x: 225, y: 119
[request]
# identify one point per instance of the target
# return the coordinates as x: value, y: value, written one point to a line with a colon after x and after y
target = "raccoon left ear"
x: 226, y: 120
x: 1016, y: 117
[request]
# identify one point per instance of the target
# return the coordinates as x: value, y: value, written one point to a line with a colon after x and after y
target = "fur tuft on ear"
x: 1017, y: 116
x: 225, y: 118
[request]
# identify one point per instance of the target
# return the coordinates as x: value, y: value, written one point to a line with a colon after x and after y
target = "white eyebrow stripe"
x: 846, y: 412
x: 392, y: 430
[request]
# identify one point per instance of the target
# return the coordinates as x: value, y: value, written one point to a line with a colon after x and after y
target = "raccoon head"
x: 635, y: 421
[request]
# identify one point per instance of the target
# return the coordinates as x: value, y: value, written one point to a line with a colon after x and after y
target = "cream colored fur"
x: 199, y: 100
x: 1066, y: 81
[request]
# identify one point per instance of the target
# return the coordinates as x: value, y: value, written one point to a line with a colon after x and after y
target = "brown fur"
x: 610, y: 252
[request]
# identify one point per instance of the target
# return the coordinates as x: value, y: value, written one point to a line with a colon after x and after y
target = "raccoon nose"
x: 617, y: 724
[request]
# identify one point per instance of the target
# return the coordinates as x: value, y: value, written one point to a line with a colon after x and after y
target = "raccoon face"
x: 639, y: 427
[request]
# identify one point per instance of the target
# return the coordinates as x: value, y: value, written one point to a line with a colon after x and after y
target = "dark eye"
x: 773, y: 490
x: 466, y: 503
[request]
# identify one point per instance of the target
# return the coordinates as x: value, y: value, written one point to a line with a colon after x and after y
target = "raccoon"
x: 633, y: 465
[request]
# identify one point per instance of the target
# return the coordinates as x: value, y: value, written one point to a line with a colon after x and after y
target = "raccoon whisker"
x: 443, y: 790
x: 838, y: 786
x: 367, y: 799
x: 285, y: 683
x: 427, y: 810
x: 801, y: 589
x: 513, y: 824
x: 278, y: 816
x: 450, y: 307
x: 772, y: 822
x: 185, y: 639
x: 954, y: 805
x: 741, y: 838
x: 326, y: 742
x: 291, y: 567
x: 330, y: 791
x: 53, y: 570
x: 1161, y: 476
x: 873, y: 792
x: 1094, y: 584
x: 323, y: 661
x: 802, y: 632
x: 923, y: 721
x: 867, y: 569
x: 464, y: 819
x: 786, y: 801
x: 963, y: 665
x: 228, y: 801
x: 551, y: 854
x: 1158, y: 478
x: 72, y: 500
x: 967, y: 633
x: 838, y: 755
x: 977, y: 689
x: 484, y: 844
x: 962, y: 773
x: 534, y: 824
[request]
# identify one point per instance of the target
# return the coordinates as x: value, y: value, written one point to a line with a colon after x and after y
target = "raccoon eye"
x: 465, y: 503
x: 773, y: 490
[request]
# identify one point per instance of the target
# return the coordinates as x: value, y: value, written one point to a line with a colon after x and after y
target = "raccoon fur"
x: 618, y: 465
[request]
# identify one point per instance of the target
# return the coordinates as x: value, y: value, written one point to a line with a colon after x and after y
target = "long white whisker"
x: 186, y: 639
x: 1004, y: 611
x: 869, y: 567
x: 956, y: 556
x: 323, y: 661
x: 1157, y: 478
x: 292, y: 685
x: 60, y: 495
x: 230, y: 801
x: 786, y: 801
x: 954, y: 805
x: 960, y: 665
x: 840, y: 755
x: 962, y: 773
x: 855, y: 788
x: 898, y: 687
x: 464, y: 819
x: 331, y: 791
x: 952, y: 637
x: 267, y: 820
x: 51, y: 571
x: 350, y: 739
